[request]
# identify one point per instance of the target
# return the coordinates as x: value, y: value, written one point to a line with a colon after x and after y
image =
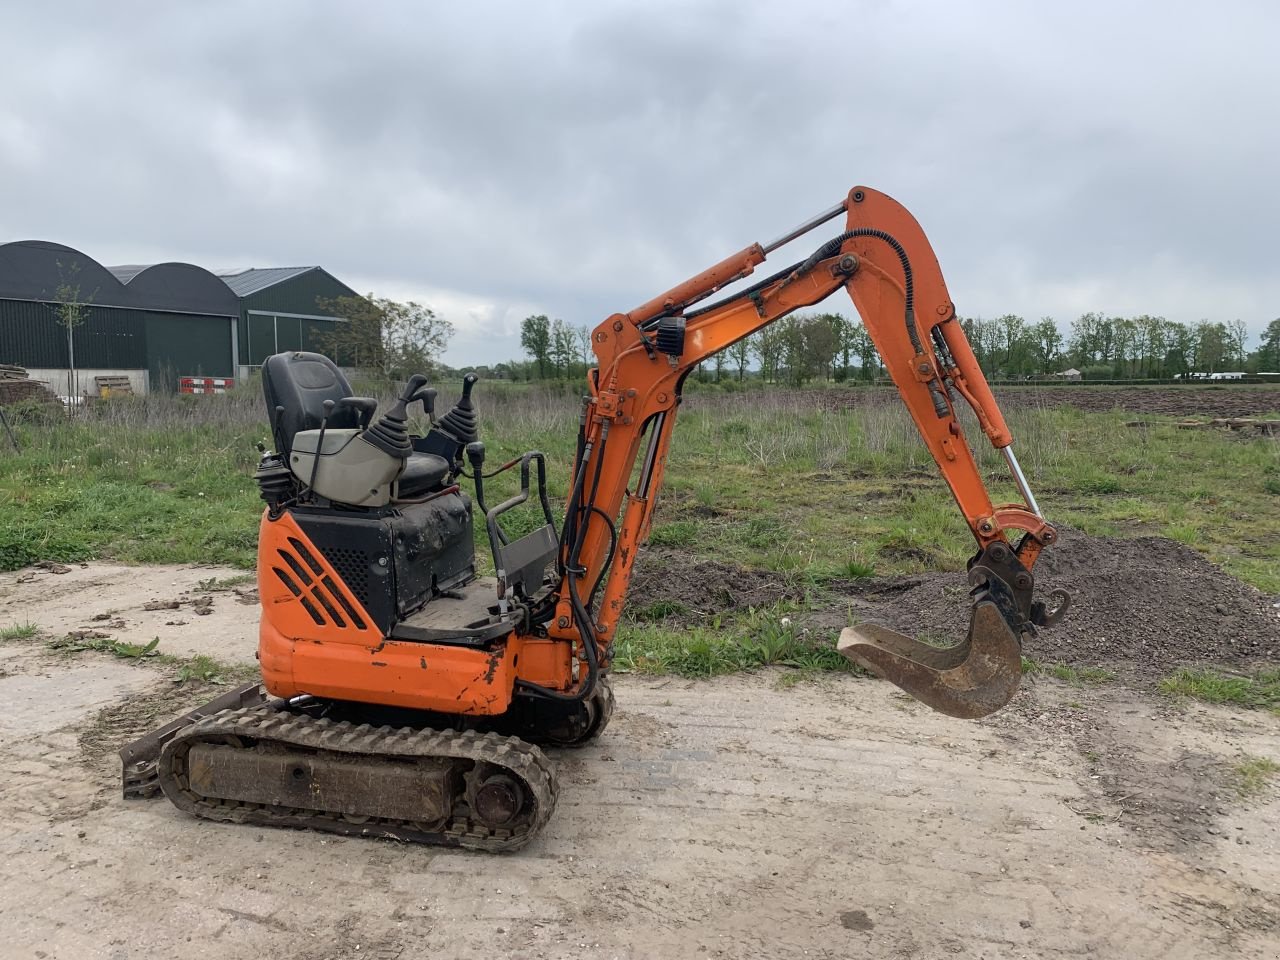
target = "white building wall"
x: 58, y: 380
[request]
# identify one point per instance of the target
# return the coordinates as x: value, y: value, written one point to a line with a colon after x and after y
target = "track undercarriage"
x: 328, y: 766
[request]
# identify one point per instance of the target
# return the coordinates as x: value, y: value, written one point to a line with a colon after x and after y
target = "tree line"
x: 1103, y: 347
x: 394, y: 339
x: 803, y: 347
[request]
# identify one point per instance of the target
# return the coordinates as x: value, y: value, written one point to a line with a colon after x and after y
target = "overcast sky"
x: 500, y: 159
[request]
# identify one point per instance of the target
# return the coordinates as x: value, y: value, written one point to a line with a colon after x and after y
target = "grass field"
x: 761, y: 480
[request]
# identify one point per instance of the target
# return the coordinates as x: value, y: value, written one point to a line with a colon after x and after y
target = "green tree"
x: 385, y: 337
x: 767, y: 345
x: 1092, y: 340
x: 1269, y: 348
x: 860, y: 344
x: 1238, y: 341
x: 986, y: 339
x: 564, y: 348
x: 1045, y: 341
x: 1123, y: 337
x: 794, y: 349
x: 1213, y: 344
x: 1014, y: 348
x: 1148, y: 345
x: 1180, y: 357
x: 535, y: 340
x: 823, y: 333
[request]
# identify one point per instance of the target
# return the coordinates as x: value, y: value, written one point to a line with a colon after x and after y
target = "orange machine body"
x: 314, y: 638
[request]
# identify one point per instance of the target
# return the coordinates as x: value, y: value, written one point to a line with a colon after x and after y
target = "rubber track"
x: 270, y: 723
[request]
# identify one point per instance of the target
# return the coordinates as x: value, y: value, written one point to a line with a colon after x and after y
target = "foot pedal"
x: 972, y: 679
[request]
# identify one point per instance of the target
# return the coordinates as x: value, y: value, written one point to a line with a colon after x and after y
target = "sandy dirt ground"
x: 740, y: 817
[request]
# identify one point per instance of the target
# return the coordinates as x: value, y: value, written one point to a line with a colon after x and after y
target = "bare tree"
x: 740, y: 353
x: 584, y: 344
x: 72, y: 310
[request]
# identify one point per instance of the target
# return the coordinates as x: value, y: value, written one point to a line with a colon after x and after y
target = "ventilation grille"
x: 324, y: 602
x: 353, y: 567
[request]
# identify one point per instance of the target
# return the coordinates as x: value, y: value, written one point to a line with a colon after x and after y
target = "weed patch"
x: 1261, y: 691
x: 758, y: 639
x: 1252, y: 775
x: 92, y: 640
x: 858, y: 571
x: 205, y: 669
x: 679, y: 533
x: 660, y: 610
x: 216, y: 584
x: 19, y: 631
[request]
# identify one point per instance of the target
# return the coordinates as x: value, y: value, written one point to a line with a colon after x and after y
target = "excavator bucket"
x: 969, y: 680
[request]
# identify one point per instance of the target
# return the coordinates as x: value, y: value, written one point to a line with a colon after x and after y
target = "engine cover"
x: 395, y: 560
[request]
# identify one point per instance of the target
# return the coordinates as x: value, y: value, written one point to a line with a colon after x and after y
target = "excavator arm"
x: 889, y: 270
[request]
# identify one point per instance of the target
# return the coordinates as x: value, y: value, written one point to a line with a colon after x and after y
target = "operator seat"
x: 296, y: 386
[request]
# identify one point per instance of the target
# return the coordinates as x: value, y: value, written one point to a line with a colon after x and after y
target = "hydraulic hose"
x: 832, y: 247
x: 574, y: 533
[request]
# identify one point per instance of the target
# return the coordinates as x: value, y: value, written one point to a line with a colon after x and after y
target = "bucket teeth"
x: 972, y: 679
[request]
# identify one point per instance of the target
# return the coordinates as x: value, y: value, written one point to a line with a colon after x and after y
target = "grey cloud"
x: 578, y: 158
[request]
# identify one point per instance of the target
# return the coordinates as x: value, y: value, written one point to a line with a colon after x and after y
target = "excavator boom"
x: 886, y: 265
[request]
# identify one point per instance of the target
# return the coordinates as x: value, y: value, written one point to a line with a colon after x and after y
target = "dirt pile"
x: 1146, y: 604
x: 672, y: 585
x: 1173, y: 401
x: 1143, y: 606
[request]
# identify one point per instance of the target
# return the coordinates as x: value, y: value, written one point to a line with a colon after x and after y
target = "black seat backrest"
x: 301, y: 383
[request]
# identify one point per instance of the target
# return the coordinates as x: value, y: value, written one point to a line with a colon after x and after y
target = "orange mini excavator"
x: 404, y: 696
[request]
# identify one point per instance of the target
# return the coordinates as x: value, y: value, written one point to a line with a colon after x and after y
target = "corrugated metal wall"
x: 187, y: 346
x: 172, y: 345
x: 271, y: 330
x: 168, y: 344
x: 32, y: 336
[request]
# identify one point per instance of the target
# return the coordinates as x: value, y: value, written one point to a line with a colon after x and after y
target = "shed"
x: 280, y: 309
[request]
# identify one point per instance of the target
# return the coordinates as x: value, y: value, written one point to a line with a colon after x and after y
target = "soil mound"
x: 1142, y: 606
x: 1146, y: 604
x: 672, y: 585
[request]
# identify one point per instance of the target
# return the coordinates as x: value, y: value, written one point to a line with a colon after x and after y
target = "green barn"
x: 155, y: 324
x: 279, y: 310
